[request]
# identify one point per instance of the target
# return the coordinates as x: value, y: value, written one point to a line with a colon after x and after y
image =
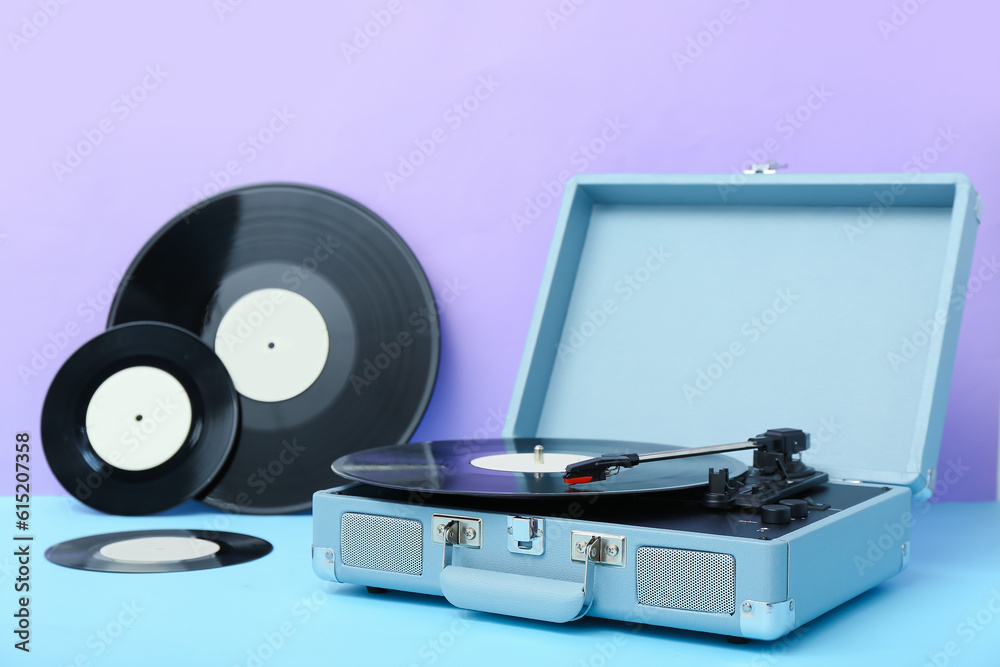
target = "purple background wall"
x: 885, y: 80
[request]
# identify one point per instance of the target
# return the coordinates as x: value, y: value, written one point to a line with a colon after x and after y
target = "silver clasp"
x: 525, y: 535
x: 769, y: 167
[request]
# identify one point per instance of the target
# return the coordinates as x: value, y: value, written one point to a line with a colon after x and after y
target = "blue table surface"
x: 275, y: 611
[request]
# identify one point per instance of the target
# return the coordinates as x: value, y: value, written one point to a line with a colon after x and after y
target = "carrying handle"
x: 538, y: 598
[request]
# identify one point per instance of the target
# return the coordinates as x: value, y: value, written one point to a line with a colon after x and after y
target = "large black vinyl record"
x: 322, y: 316
x: 513, y: 467
x: 139, y: 419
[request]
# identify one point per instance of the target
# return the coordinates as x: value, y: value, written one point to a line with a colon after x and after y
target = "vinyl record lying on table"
x: 508, y: 467
x: 157, y: 551
x: 139, y: 419
x: 322, y: 316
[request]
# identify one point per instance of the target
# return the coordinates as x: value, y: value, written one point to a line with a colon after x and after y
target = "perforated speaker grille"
x: 381, y: 543
x: 685, y: 579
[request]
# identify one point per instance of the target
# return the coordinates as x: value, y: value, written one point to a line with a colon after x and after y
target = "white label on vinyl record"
x: 164, y: 549
x: 138, y: 418
x: 526, y: 462
x: 274, y: 344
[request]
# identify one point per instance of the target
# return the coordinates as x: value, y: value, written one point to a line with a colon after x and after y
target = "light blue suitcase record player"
x: 692, y: 311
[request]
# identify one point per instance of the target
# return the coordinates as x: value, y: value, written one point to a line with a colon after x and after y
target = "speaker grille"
x: 685, y: 579
x: 381, y: 543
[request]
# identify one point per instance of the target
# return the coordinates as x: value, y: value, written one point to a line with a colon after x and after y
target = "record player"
x: 690, y: 311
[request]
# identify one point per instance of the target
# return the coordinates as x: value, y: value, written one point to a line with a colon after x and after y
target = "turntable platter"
x: 514, y: 467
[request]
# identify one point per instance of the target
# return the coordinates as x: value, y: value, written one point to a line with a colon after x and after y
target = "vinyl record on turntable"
x: 521, y: 467
x: 322, y: 316
x: 140, y: 419
x: 152, y: 551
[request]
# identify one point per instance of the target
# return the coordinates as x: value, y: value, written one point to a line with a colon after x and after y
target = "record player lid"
x: 695, y: 310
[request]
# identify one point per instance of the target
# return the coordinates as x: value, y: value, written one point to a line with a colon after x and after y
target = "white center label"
x: 274, y: 344
x: 138, y: 418
x: 526, y: 462
x: 165, y: 549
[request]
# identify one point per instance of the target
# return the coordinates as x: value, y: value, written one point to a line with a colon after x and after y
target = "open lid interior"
x: 687, y: 311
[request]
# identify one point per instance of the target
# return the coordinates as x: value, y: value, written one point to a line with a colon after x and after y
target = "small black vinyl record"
x: 511, y: 467
x: 322, y: 316
x: 152, y: 551
x: 140, y: 419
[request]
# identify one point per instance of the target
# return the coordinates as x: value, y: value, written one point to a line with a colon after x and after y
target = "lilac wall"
x: 170, y: 92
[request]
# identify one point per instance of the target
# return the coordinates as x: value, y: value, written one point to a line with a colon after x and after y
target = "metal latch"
x: 769, y: 167
x: 456, y: 531
x: 525, y: 535
x: 459, y: 531
x: 599, y: 548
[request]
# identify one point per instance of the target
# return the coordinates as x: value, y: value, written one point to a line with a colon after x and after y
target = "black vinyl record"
x: 152, y: 551
x: 508, y: 467
x: 139, y: 419
x: 321, y: 314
